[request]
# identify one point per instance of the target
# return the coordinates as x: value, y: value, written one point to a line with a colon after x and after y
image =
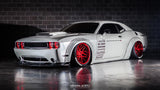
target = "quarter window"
x: 120, y: 29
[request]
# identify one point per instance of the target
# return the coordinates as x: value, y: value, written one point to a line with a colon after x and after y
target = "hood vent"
x: 50, y: 33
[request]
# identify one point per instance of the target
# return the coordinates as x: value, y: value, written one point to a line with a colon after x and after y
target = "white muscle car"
x: 80, y: 44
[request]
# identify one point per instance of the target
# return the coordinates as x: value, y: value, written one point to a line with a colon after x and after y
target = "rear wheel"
x: 137, y: 50
x: 81, y: 55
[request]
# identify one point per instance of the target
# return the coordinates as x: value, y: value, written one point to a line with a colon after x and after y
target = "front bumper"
x: 38, y: 57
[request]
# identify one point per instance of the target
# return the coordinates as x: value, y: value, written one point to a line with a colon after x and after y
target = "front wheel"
x: 137, y: 50
x: 81, y: 55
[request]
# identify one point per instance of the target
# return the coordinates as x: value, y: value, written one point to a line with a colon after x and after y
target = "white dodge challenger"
x: 80, y: 44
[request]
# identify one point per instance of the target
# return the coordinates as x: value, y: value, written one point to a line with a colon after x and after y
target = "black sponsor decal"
x: 100, y: 48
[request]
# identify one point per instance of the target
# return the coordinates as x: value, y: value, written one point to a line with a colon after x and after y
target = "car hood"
x: 49, y: 36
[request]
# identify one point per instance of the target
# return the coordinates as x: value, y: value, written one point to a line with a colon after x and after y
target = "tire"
x: 81, y: 55
x: 137, y: 50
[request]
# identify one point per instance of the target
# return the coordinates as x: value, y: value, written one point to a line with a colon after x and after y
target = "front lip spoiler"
x: 31, y: 64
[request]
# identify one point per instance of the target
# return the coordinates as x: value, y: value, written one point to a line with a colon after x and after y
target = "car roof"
x: 102, y: 22
x: 96, y: 22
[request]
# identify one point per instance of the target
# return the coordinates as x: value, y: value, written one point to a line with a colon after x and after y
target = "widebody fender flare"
x: 130, y: 46
x: 74, y: 43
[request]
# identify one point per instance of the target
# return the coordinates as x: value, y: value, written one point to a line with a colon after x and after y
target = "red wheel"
x: 82, y: 54
x: 138, y: 49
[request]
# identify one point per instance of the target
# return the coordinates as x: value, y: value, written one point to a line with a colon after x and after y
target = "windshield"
x: 81, y: 28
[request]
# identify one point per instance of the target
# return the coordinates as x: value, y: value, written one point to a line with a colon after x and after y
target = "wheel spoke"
x: 82, y: 49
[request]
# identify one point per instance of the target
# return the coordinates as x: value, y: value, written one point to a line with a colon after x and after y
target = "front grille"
x: 35, y: 44
x: 34, y: 59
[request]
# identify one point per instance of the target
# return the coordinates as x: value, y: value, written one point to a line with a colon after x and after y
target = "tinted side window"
x: 120, y: 29
x: 108, y: 28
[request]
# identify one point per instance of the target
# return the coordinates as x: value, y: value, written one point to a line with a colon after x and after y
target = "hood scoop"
x: 50, y: 33
x: 55, y: 34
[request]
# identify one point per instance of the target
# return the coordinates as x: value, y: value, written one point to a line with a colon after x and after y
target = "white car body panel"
x: 117, y: 46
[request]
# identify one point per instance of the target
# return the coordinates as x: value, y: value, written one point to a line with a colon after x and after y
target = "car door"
x: 113, y: 41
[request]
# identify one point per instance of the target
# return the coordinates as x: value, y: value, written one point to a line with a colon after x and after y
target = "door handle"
x: 119, y: 36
